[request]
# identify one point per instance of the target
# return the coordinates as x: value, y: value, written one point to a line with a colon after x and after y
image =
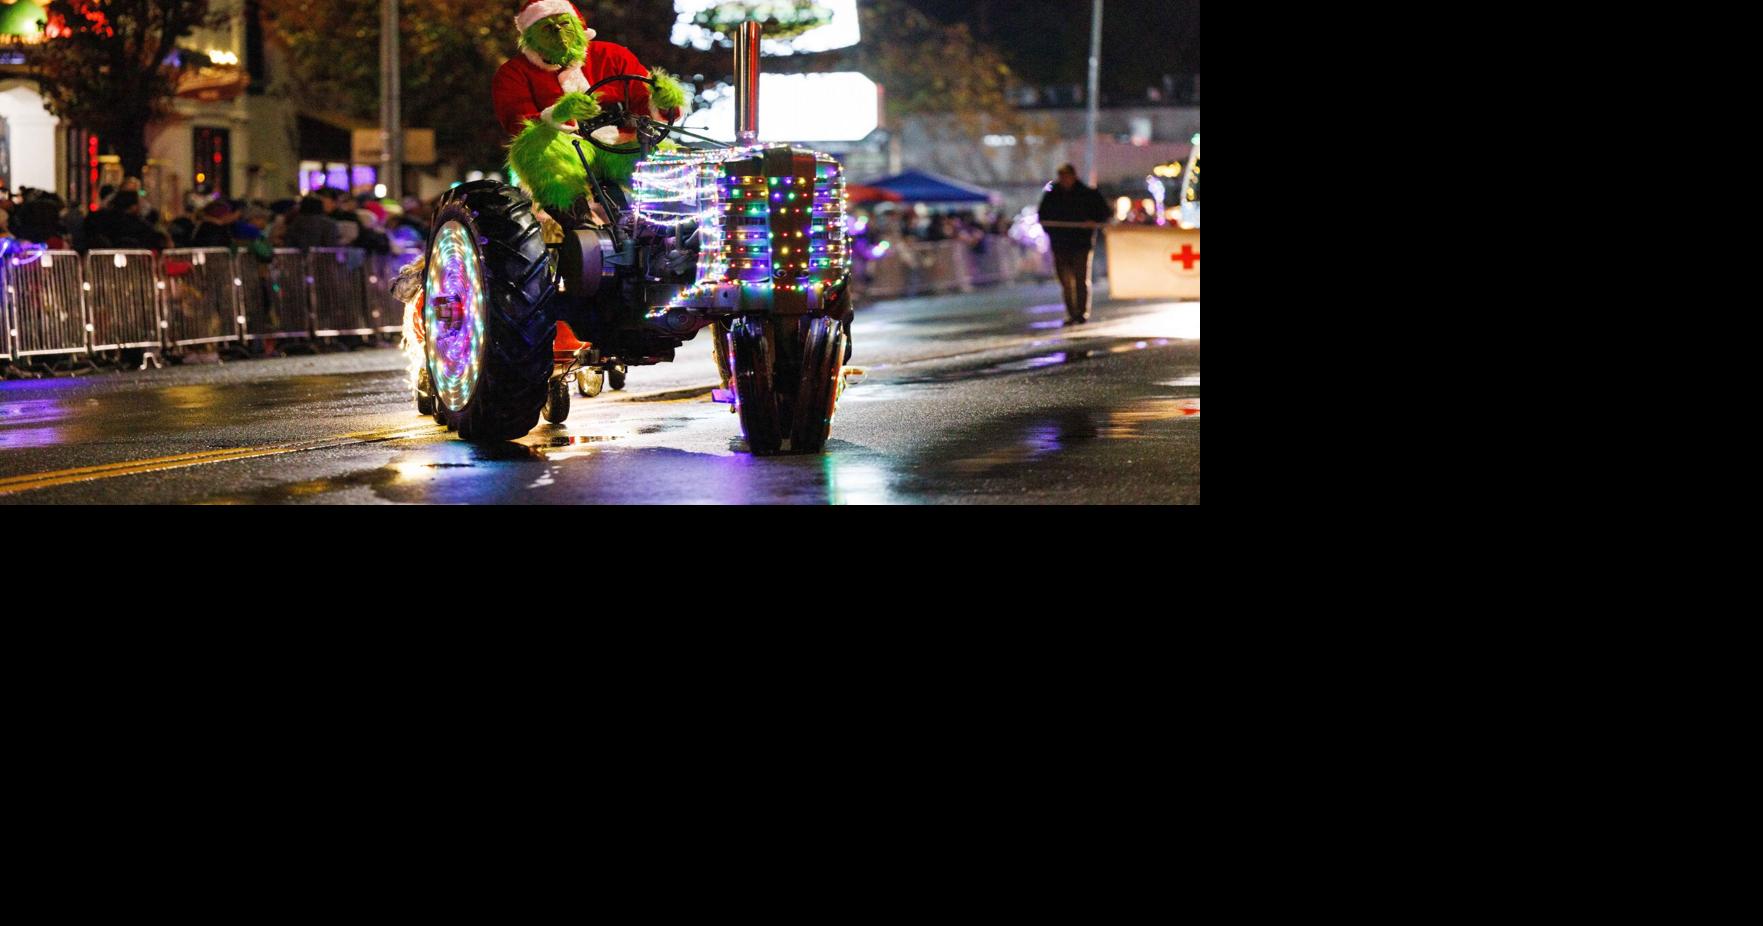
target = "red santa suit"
x: 526, y: 87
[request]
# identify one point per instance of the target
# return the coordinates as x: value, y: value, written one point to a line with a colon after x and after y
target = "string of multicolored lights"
x: 738, y: 215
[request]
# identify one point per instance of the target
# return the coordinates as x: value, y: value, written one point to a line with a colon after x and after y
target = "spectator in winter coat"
x: 312, y: 228
x: 38, y: 219
x: 216, y: 228
x: 119, y: 225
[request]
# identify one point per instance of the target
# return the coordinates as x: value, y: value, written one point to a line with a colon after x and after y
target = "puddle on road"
x: 38, y: 423
x: 577, y: 440
x: 1127, y: 423
x: 21, y: 438
x: 375, y: 479
x: 422, y: 469
x: 31, y: 411
x: 1046, y: 436
x: 554, y: 447
x: 1074, y: 354
x: 15, y: 416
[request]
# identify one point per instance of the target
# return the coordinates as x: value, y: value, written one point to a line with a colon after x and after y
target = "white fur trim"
x: 544, y: 9
x: 572, y: 80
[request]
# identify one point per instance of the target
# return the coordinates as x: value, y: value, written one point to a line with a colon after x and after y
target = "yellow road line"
x: 29, y: 482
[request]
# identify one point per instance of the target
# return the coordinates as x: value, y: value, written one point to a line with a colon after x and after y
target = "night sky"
x: 1047, y: 41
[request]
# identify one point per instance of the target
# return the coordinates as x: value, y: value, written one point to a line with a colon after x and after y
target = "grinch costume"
x: 541, y: 94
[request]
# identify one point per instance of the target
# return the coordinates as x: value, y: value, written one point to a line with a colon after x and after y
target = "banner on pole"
x: 1153, y: 262
x: 368, y: 146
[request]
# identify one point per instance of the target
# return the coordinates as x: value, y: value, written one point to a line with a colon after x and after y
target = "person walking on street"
x: 1071, y: 213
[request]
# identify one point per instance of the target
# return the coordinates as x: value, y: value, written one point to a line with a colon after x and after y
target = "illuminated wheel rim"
x: 453, y: 312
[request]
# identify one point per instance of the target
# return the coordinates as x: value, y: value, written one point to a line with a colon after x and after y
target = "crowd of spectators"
x: 883, y: 229
x: 126, y: 219
x: 892, y: 223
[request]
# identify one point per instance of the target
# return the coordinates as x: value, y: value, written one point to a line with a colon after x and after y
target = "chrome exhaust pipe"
x: 747, y: 83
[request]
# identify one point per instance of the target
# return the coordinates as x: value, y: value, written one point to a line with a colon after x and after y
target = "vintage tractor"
x: 748, y: 240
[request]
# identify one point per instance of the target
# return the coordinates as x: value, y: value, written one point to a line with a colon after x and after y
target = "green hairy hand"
x: 558, y: 39
x: 574, y: 106
x: 669, y: 92
x: 546, y: 161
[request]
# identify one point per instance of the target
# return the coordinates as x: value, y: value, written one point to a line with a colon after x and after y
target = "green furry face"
x: 558, y: 39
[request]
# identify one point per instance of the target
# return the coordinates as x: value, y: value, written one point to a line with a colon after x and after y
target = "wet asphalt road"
x: 977, y: 398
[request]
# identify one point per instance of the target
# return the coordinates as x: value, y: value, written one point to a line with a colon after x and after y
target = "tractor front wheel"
x: 751, y: 359
x: 487, y: 310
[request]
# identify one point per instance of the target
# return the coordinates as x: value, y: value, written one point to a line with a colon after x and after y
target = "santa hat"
x: 536, y: 10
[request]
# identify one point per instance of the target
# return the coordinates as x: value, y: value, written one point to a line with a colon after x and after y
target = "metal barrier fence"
x: 280, y: 304
x: 46, y: 304
x: 916, y: 268
x: 339, y: 292
x: 122, y: 300
x: 59, y: 302
x: 201, y: 302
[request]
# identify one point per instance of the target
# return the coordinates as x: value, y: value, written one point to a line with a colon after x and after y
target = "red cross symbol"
x: 1188, y: 257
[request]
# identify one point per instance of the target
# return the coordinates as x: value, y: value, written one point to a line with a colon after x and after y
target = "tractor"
x: 746, y: 239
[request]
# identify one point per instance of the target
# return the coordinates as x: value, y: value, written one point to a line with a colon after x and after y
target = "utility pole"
x: 391, y: 125
x: 1095, y: 90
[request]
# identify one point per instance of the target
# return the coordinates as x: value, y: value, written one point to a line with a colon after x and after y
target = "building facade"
x: 223, y: 135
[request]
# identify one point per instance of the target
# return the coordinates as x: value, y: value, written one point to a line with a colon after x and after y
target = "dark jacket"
x: 1080, y: 204
x: 114, y: 228
x: 37, y: 220
x: 182, y: 230
x: 212, y: 235
x: 312, y: 231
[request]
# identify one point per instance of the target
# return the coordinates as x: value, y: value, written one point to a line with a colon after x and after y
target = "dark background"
x: 1048, y: 41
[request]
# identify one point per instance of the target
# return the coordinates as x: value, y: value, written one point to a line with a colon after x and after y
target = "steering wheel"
x: 649, y: 132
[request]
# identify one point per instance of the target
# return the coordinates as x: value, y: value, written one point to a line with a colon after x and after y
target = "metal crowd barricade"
x: 885, y: 278
x: 122, y: 299
x: 46, y: 304
x: 914, y: 268
x: 276, y: 298
x: 944, y: 265
x: 8, y: 330
x: 385, y: 312
x: 993, y: 263
x: 201, y: 296
x: 339, y: 292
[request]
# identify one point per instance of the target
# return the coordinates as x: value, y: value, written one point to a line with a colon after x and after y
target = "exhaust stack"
x: 747, y: 83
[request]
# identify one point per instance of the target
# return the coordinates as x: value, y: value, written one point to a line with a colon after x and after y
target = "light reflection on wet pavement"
x: 1106, y: 413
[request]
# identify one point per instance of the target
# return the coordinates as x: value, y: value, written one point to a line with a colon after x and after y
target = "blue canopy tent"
x: 917, y: 186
